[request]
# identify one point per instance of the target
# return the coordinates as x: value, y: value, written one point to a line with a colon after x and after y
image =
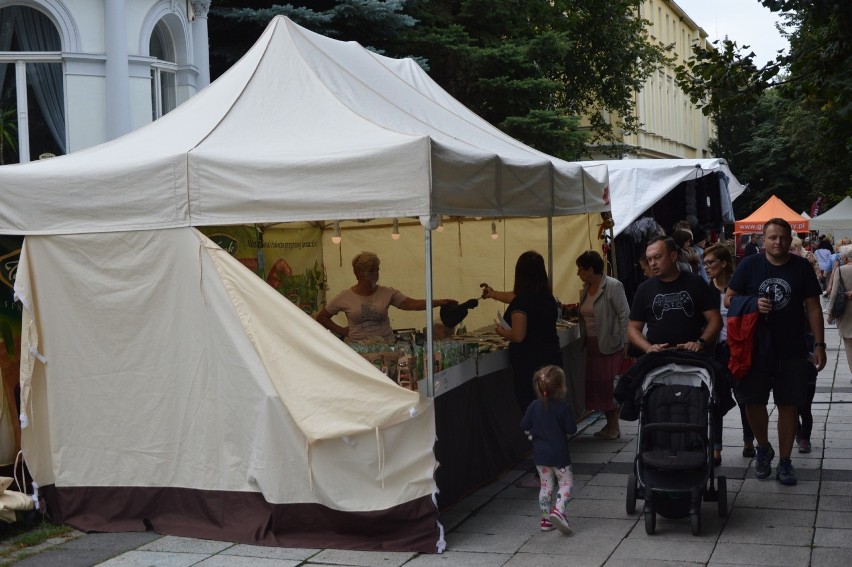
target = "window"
x: 32, y: 94
x: 163, y: 72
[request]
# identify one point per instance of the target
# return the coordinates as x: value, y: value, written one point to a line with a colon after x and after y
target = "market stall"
x: 837, y: 220
x: 649, y: 195
x: 163, y: 384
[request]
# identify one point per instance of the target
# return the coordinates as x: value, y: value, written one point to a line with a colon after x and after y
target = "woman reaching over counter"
x: 604, y: 314
x: 366, y: 304
x: 531, y: 319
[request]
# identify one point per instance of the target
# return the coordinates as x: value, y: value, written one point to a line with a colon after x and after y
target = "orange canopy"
x: 772, y: 208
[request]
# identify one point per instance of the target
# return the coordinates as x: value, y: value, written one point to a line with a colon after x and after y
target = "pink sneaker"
x: 546, y: 526
x: 557, y: 519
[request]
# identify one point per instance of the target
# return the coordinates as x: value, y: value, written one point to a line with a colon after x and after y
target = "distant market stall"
x: 163, y: 384
x: 772, y: 208
x: 837, y: 220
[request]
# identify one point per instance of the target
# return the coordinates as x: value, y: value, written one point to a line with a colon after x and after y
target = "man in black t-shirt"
x: 678, y: 307
x: 751, y: 248
x: 787, y: 293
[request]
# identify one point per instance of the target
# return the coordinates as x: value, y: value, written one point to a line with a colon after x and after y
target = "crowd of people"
x: 695, y: 298
x: 684, y: 304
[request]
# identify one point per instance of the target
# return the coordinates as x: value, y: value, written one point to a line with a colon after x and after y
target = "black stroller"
x: 673, y: 467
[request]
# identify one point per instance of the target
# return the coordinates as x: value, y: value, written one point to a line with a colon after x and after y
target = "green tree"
x: 234, y: 25
x: 815, y: 80
x: 534, y: 68
x: 531, y: 68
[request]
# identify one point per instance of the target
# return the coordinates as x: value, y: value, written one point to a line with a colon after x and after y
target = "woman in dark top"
x: 531, y: 316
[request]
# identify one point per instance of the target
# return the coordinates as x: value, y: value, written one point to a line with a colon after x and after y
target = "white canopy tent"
x: 837, y: 220
x: 123, y: 299
x: 636, y: 184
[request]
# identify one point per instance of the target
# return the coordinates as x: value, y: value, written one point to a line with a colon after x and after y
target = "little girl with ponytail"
x: 548, y: 422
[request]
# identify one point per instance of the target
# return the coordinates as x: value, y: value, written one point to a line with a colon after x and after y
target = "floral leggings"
x: 548, y: 475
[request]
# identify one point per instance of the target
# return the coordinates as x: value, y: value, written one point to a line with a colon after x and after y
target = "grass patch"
x: 16, y: 538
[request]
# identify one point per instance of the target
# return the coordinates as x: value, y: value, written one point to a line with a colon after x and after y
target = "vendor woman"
x: 366, y: 304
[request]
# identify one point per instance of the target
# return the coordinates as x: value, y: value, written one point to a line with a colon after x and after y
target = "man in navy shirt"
x: 788, y: 300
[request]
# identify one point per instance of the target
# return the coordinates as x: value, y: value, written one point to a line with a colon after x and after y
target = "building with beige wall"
x: 671, y: 127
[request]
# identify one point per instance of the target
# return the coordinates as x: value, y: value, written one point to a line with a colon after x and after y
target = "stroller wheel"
x: 631, y: 494
x: 722, y: 493
x: 695, y: 522
x: 650, y: 519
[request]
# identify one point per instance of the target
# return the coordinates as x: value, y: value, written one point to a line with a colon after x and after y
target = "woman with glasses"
x: 719, y: 264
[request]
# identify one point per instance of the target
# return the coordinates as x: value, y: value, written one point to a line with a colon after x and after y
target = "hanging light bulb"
x: 335, y: 236
x: 440, y: 227
x: 395, y: 230
x: 494, y: 235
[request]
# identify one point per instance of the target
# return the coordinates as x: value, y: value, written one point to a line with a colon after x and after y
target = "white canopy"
x: 636, y: 184
x: 838, y: 217
x: 299, y: 126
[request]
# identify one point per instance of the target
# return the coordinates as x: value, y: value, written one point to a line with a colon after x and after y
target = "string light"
x: 494, y: 235
x: 395, y: 230
x: 335, y: 236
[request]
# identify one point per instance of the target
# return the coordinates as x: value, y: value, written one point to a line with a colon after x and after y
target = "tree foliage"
x: 531, y: 68
x: 811, y: 91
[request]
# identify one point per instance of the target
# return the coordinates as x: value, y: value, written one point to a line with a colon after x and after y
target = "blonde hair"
x: 549, y: 384
x: 364, y: 261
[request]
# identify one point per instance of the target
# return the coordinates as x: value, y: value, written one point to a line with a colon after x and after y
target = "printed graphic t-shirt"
x: 788, y: 286
x: 673, y: 311
x: 367, y: 315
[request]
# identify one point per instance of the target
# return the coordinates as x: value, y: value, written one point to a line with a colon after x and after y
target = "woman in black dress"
x: 531, y: 316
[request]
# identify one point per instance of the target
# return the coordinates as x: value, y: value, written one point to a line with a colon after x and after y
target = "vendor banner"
x: 288, y: 259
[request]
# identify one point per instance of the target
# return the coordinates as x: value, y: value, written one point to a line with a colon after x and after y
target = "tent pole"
x: 429, y: 357
x: 550, y: 250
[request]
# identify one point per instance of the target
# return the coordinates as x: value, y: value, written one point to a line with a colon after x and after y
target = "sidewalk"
x: 809, y: 524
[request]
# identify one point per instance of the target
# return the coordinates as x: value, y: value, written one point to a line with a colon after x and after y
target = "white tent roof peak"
x: 302, y: 125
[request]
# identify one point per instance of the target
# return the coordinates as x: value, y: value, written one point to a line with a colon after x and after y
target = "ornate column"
x: 200, y: 47
x: 117, y: 69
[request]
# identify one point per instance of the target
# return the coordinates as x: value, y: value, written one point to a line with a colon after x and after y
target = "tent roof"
x: 303, y: 127
x: 772, y: 208
x: 837, y: 217
x: 636, y: 184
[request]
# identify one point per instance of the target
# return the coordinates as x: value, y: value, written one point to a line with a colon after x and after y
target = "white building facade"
x: 76, y: 73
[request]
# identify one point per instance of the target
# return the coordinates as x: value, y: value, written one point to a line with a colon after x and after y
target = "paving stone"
x: 160, y: 559
x: 579, y: 559
x: 124, y: 541
x: 597, y: 509
x: 361, y: 558
x: 648, y: 563
x: 743, y: 529
x: 459, y: 559
x: 177, y: 544
x: 831, y: 557
x: 495, y: 524
x: 831, y: 519
x: 609, y: 479
x: 835, y: 488
x: 837, y: 464
x: 670, y: 550
x: 65, y: 557
x: 755, y: 554
x: 832, y: 537
x: 482, y: 543
x: 777, y: 500
x: 290, y: 553
x: 242, y: 561
x: 770, y: 517
x: 751, y: 485
x: 602, y: 493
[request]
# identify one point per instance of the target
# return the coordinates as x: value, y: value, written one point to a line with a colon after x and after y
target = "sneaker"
x: 558, y: 520
x: 786, y: 475
x: 804, y: 445
x: 546, y: 525
x: 748, y: 451
x: 763, y: 461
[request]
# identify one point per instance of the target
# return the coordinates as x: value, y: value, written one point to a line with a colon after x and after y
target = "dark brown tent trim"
x: 243, y: 517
